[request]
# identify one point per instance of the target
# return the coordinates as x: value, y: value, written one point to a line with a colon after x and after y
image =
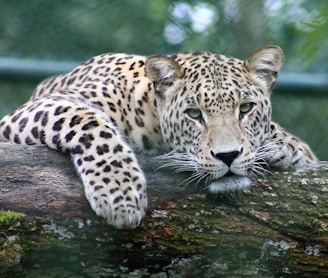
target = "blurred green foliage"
x: 74, y: 30
x: 78, y: 29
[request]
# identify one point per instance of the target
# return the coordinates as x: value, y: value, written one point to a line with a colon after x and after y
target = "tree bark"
x: 42, y: 182
x: 279, y: 225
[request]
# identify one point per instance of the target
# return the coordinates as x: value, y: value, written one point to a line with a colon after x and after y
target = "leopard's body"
x: 210, y: 114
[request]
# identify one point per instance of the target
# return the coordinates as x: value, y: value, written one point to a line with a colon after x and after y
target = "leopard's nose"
x: 227, y: 157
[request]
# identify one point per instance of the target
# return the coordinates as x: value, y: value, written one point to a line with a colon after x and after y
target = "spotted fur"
x: 208, y: 113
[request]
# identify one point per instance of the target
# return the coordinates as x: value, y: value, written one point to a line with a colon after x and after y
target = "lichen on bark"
x: 277, y: 228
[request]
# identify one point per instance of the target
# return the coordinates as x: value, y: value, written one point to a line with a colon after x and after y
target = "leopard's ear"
x: 163, y: 71
x: 264, y: 65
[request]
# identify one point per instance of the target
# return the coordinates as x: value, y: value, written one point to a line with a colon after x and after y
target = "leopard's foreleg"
x: 113, y: 181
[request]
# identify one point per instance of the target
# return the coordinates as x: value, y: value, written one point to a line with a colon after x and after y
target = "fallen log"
x: 278, y: 227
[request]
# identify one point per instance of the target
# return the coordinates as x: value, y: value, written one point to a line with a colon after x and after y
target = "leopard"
x: 199, y: 112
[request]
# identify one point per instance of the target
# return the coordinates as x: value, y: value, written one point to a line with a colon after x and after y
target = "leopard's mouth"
x: 229, y: 182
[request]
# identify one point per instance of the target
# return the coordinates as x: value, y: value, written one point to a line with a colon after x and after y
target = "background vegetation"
x: 74, y: 30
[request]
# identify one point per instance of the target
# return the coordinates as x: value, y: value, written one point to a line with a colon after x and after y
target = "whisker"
x: 258, y: 171
x: 260, y: 167
x: 185, y: 162
x: 196, y: 177
x: 182, y: 162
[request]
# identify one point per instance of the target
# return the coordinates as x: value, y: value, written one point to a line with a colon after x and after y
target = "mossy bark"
x: 278, y: 227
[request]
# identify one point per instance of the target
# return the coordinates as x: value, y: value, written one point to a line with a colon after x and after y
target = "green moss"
x: 9, y: 218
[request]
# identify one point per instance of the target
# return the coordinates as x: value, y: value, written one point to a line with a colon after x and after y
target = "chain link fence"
x: 71, y: 31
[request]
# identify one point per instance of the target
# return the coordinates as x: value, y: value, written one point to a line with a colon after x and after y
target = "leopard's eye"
x: 194, y: 114
x: 246, y: 107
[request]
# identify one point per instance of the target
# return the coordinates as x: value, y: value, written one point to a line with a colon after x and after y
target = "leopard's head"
x: 215, y: 112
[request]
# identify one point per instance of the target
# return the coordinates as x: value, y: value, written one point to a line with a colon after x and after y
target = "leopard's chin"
x: 229, y: 183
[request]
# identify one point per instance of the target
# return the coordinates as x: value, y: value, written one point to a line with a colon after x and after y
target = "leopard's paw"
x: 286, y: 154
x: 123, y: 209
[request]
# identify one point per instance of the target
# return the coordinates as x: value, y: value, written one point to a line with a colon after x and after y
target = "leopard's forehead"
x: 216, y: 81
x: 209, y: 65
